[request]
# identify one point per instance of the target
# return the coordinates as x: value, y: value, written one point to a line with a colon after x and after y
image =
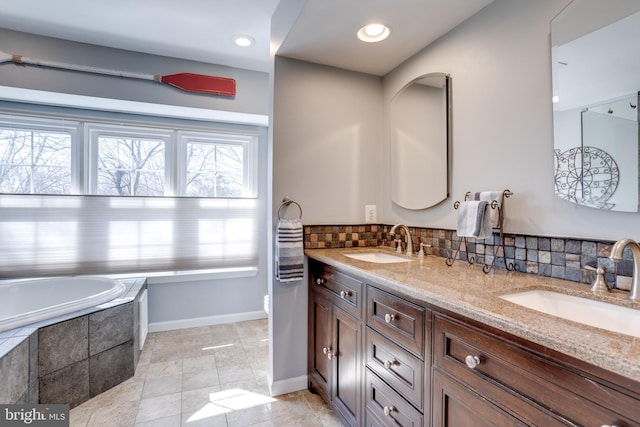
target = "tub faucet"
x: 406, y: 229
x: 616, y: 256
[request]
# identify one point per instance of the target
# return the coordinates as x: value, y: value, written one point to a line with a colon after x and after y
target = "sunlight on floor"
x: 217, y: 347
x: 228, y: 401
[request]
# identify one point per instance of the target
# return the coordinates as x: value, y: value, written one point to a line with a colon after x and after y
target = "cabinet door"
x: 348, y: 365
x: 320, y: 345
x: 456, y: 406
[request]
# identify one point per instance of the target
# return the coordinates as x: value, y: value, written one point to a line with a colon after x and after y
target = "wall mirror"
x: 419, y: 142
x: 596, y: 79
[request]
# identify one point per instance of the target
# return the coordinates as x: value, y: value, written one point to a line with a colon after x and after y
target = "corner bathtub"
x: 23, y: 302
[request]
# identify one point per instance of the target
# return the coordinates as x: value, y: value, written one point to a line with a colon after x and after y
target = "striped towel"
x: 289, y: 250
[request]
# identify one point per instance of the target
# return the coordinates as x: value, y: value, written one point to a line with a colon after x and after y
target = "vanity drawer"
x: 341, y: 289
x: 399, y: 368
x: 475, y: 357
x: 396, y: 319
x: 385, y: 407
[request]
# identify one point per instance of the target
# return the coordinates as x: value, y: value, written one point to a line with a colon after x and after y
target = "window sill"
x: 193, y: 275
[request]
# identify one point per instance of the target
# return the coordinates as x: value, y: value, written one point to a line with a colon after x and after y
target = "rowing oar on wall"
x: 186, y: 81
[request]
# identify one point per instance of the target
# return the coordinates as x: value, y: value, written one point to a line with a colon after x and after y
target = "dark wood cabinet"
x: 455, y: 405
x: 347, y: 366
x: 385, y: 407
x: 534, y: 386
x: 383, y: 359
x: 320, y: 343
x: 335, y: 342
x: 396, y: 381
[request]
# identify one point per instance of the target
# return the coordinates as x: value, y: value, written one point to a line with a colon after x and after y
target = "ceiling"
x: 203, y: 30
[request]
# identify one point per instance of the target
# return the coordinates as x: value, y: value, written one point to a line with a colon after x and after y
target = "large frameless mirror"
x: 419, y: 142
x: 596, y: 78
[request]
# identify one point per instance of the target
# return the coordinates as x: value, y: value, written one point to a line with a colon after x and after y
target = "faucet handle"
x: 398, y: 245
x: 600, y: 284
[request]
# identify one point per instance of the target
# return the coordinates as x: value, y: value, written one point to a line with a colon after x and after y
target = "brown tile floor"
x: 207, y: 376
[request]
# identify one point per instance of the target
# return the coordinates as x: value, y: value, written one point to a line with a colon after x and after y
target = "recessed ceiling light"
x: 373, y: 33
x: 244, y: 41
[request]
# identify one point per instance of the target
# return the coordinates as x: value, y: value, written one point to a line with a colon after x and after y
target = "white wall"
x: 499, y: 61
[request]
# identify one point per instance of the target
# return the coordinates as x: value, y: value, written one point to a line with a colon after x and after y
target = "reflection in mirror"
x: 596, y: 79
x: 420, y: 120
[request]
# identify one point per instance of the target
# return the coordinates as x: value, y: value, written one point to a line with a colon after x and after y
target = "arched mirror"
x: 420, y: 134
x: 596, y: 78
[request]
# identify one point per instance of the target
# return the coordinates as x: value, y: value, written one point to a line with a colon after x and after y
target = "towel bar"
x: 486, y: 268
x: 285, y: 203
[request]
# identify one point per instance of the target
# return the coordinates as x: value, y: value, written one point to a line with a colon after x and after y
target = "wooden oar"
x: 185, y: 81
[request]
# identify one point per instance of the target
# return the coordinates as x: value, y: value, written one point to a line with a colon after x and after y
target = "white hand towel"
x: 473, y: 220
x: 289, y: 254
x: 494, y: 213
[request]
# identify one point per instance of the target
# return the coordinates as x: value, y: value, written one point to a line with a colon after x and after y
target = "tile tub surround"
x: 464, y: 289
x: 70, y: 358
x: 560, y: 258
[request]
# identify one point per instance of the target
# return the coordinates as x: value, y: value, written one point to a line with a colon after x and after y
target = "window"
x: 45, y: 157
x: 172, y: 197
x: 129, y: 161
x: 217, y: 165
x: 35, y: 156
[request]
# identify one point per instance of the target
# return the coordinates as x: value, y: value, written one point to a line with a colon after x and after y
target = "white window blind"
x: 109, y: 208
x: 45, y: 235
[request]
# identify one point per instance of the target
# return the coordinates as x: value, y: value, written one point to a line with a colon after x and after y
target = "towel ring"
x: 285, y: 203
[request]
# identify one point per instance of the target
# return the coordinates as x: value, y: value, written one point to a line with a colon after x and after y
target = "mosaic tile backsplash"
x: 562, y: 258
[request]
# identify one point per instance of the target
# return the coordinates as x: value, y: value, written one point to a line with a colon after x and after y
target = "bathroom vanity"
x: 418, y: 343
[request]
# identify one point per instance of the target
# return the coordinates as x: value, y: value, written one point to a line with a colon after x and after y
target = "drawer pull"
x: 607, y: 425
x: 389, y: 363
x: 321, y: 281
x: 345, y: 294
x: 472, y: 361
x: 388, y: 410
x: 389, y: 317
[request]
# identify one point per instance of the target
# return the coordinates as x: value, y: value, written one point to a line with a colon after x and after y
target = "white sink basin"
x: 377, y: 257
x: 602, y: 315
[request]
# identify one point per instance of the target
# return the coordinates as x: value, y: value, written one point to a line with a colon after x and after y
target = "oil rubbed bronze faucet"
x: 392, y: 232
x: 616, y: 256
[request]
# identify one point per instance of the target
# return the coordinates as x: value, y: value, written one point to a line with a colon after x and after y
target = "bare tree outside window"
x: 215, y: 170
x: 35, y: 162
x: 130, y: 166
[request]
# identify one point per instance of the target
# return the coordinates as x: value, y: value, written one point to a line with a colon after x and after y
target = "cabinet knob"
x: 389, y: 317
x: 389, y: 363
x: 472, y: 361
x: 321, y: 281
x: 388, y: 410
x: 345, y: 294
x: 327, y: 351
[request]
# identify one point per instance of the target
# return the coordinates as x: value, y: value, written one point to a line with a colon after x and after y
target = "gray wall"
x: 499, y: 61
x: 252, y: 87
x: 327, y: 134
x: 330, y: 153
x: 168, y: 302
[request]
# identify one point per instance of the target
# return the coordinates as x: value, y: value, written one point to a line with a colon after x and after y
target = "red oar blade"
x: 201, y: 83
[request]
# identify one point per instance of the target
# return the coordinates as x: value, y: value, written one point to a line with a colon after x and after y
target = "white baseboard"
x: 276, y: 388
x: 206, y: 321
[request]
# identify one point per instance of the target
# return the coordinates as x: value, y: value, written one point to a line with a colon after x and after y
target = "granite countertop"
x: 466, y: 290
